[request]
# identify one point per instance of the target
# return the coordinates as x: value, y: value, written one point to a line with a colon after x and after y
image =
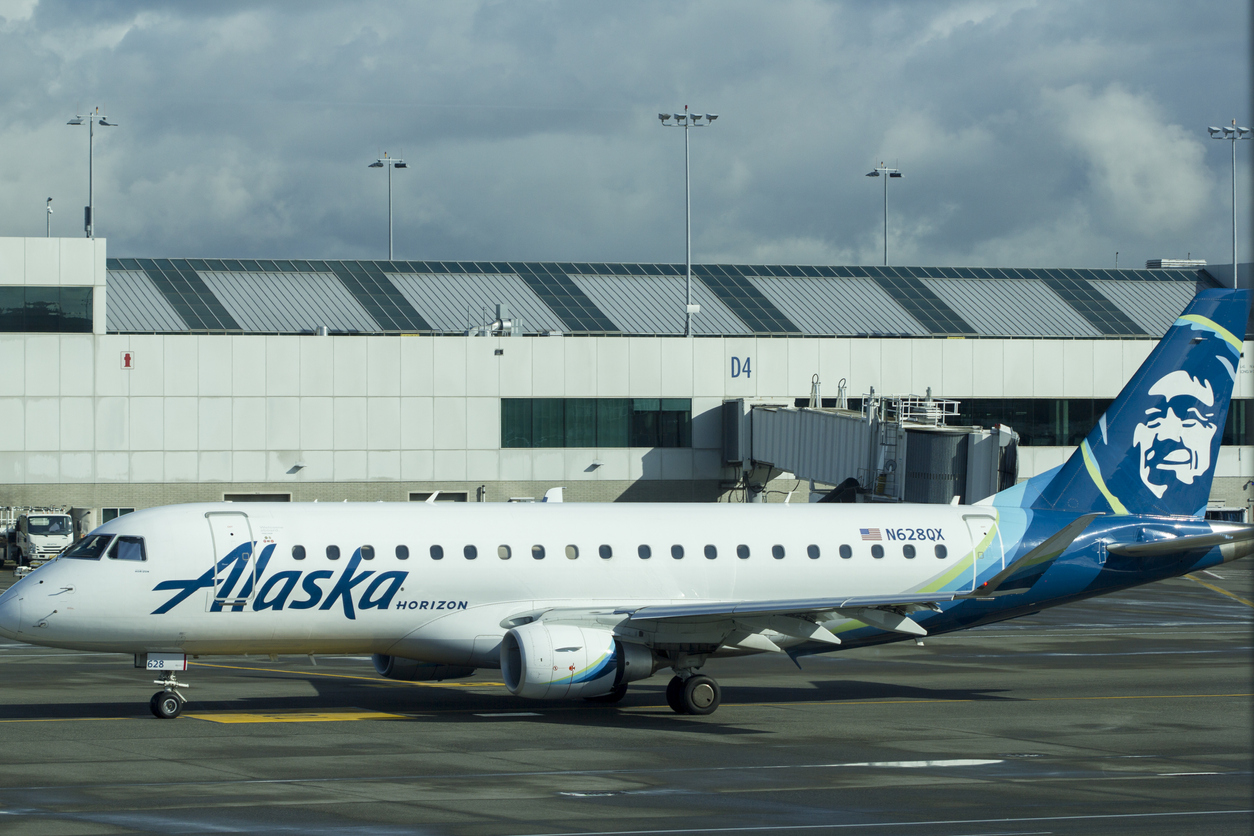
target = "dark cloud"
x: 1047, y: 133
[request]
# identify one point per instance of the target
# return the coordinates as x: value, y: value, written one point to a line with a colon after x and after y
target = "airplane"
x: 576, y: 601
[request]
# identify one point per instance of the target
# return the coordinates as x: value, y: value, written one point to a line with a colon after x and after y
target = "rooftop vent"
x: 1175, y: 263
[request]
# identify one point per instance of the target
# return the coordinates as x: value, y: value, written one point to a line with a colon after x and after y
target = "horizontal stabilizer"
x: 1231, y: 533
x: 1020, y: 575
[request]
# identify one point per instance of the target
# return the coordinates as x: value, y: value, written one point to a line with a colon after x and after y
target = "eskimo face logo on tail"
x: 1174, y: 440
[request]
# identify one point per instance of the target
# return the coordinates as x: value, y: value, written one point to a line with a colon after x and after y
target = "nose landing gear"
x: 168, y: 704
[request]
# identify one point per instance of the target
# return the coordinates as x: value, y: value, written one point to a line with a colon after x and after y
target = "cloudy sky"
x: 1030, y: 133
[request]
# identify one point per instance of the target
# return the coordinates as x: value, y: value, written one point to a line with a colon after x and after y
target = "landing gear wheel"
x: 675, y: 695
x: 701, y: 695
x: 166, y: 705
x: 617, y: 694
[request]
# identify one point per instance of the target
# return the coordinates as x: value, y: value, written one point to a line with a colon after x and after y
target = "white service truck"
x: 40, y: 536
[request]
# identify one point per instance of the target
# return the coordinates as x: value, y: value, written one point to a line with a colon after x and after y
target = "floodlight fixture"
x: 686, y: 120
x: 92, y: 119
x: 1232, y: 133
x: 389, y: 163
x: 887, y: 173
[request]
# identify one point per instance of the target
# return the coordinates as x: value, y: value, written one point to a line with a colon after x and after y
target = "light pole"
x: 687, y: 120
x: 886, y: 173
x: 1232, y: 134
x: 389, y: 163
x: 92, y: 120
x: 48, y: 222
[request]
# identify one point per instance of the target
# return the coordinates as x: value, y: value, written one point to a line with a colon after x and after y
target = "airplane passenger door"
x: 984, y: 548
x: 233, y: 580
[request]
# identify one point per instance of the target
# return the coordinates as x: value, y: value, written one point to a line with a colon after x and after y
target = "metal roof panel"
x: 841, y: 307
x: 455, y: 302
x: 287, y: 302
x: 655, y: 305
x: 1011, y: 308
x: 1151, y: 305
x: 133, y: 303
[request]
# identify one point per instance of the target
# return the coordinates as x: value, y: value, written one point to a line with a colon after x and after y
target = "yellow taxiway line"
x: 1220, y: 591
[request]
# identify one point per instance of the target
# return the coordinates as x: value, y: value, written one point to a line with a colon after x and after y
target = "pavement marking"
x: 331, y: 716
x: 988, y: 699
x: 871, y: 825
x: 61, y: 719
x: 1221, y: 591
x: 374, y: 679
x: 295, y: 716
x: 512, y: 714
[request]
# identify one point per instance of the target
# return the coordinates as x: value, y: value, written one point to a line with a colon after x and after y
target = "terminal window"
x: 596, y: 422
x: 109, y: 514
x: 60, y: 310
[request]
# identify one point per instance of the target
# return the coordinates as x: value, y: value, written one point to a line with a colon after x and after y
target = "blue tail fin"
x: 1154, y: 450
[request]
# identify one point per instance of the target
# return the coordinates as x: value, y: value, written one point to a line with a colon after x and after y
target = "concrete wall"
x: 197, y: 415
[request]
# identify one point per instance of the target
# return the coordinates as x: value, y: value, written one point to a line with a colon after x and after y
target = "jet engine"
x: 560, y: 661
x: 411, y: 670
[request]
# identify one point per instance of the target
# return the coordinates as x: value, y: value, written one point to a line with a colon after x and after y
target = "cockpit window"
x: 48, y: 525
x: 128, y: 548
x: 89, y: 548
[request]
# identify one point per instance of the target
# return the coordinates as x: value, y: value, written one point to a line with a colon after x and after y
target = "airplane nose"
x: 10, y: 614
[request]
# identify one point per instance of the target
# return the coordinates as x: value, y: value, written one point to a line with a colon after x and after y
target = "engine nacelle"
x: 411, y: 670
x: 560, y: 661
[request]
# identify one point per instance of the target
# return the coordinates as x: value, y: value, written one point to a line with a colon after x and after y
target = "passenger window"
x: 846, y: 552
x: 333, y: 552
x: 471, y: 552
x: 877, y: 551
x: 908, y: 551
x: 777, y: 552
x: 503, y: 552
x: 606, y: 552
x: 813, y: 551
x: 572, y: 552
x: 645, y: 552
x: 128, y: 548
x: 437, y: 552
x: 677, y: 552
x: 941, y: 551
x: 537, y: 552
x: 742, y: 552
x: 402, y: 552
x: 367, y: 552
x: 298, y: 552
x: 710, y: 552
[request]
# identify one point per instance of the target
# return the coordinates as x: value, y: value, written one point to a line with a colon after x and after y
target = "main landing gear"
x: 694, y: 694
x: 168, y: 704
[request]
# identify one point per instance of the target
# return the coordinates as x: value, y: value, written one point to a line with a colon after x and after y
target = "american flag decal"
x: 870, y: 533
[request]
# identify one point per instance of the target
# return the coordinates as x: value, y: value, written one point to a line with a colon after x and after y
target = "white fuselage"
x: 453, y: 610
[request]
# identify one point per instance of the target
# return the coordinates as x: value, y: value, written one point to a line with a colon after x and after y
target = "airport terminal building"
x: 138, y: 382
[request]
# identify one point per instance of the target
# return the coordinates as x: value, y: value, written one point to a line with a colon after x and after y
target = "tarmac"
x: 1130, y: 713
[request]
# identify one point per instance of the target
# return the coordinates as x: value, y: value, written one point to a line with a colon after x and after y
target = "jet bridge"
x: 888, y: 449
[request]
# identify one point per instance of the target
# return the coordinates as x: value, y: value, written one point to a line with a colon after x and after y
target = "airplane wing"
x: 797, y: 617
